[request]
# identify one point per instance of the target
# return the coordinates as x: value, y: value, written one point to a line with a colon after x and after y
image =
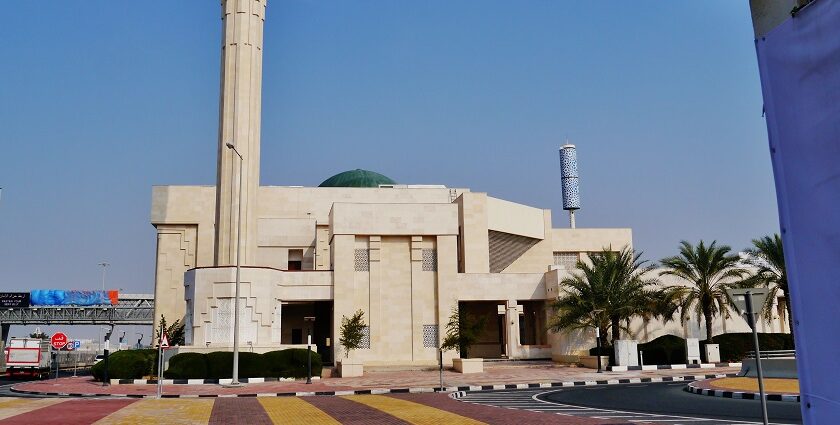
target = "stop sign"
x: 58, y: 340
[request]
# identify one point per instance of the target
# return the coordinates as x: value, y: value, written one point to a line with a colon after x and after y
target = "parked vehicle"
x: 30, y: 356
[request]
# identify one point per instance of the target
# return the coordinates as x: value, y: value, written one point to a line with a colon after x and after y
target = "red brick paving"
x: 70, y: 412
x: 497, y: 415
x: 494, y: 373
x: 352, y: 413
x: 245, y: 411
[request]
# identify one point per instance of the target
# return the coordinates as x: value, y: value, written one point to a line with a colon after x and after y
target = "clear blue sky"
x: 102, y: 99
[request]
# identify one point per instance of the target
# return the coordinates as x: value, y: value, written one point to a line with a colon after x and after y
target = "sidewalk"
x: 501, y: 374
x: 777, y: 389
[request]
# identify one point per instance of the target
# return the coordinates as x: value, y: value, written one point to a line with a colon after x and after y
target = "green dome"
x: 356, y: 178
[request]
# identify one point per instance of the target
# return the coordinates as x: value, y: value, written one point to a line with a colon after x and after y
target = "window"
x: 429, y: 260
x: 365, y: 338
x: 295, y: 260
x: 566, y: 260
x: 362, y: 260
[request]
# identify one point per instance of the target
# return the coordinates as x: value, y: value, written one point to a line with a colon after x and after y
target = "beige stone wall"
x: 394, y: 225
x: 473, y: 245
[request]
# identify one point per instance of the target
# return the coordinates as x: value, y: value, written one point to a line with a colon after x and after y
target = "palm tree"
x: 612, y: 290
x: 710, y: 271
x: 768, y: 258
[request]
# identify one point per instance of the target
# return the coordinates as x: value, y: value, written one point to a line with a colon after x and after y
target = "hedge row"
x: 289, y: 363
x: 670, y: 349
x: 127, y: 364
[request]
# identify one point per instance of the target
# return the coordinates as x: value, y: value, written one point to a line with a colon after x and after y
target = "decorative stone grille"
x: 429, y: 260
x: 430, y: 336
x: 362, y: 260
x: 567, y: 260
x: 365, y: 338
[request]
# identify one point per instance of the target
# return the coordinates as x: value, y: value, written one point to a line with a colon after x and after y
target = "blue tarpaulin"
x: 799, y: 62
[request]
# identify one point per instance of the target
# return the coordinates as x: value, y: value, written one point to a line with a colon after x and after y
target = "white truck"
x: 30, y: 356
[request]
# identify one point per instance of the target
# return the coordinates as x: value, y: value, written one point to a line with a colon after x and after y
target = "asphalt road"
x: 668, y: 398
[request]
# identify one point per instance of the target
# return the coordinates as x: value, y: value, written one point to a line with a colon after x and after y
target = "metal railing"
x: 773, y: 354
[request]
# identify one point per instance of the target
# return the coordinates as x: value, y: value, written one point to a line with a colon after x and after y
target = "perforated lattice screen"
x: 366, y: 337
x: 566, y: 259
x: 362, y: 260
x: 430, y: 336
x: 429, y: 260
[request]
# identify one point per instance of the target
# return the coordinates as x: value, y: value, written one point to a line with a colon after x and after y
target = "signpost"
x: 164, y: 343
x: 746, y: 300
x: 58, y: 340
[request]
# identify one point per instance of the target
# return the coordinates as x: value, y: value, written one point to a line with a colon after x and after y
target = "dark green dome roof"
x: 356, y: 178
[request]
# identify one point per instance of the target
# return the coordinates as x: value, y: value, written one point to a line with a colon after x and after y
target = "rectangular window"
x: 295, y: 261
x: 566, y: 260
x: 429, y: 260
x: 362, y: 260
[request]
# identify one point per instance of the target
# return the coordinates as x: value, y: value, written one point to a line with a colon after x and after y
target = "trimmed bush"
x: 667, y: 349
x: 291, y: 363
x: 220, y: 365
x: 127, y: 364
x: 735, y: 346
x: 605, y: 351
x: 187, y: 366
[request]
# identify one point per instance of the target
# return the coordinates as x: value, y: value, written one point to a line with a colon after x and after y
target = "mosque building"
x: 405, y: 254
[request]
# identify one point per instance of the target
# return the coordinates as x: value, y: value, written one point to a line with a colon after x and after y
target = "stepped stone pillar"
x: 239, y: 123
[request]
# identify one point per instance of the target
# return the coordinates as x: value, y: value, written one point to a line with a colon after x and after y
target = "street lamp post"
x: 310, y: 320
x: 235, y: 380
x: 594, y: 316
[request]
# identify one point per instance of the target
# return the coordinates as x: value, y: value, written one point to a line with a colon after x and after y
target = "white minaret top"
x: 240, y: 106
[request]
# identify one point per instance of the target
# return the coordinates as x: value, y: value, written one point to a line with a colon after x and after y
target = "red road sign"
x: 59, y: 340
x: 164, y: 342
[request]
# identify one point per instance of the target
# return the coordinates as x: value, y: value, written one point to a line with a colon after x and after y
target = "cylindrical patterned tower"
x: 569, y: 180
x: 239, y: 124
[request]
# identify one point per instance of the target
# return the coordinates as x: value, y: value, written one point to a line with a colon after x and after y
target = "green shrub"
x: 667, y: 349
x: 735, y: 346
x: 220, y: 365
x: 291, y: 363
x: 127, y: 364
x: 605, y: 351
x: 187, y: 366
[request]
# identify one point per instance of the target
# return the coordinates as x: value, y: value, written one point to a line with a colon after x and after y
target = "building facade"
x: 406, y: 255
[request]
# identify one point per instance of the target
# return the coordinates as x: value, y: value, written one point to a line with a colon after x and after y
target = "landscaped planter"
x: 592, y: 361
x: 350, y: 368
x: 468, y: 365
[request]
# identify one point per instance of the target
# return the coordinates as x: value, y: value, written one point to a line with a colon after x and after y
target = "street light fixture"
x: 594, y: 316
x: 235, y: 380
x: 310, y: 320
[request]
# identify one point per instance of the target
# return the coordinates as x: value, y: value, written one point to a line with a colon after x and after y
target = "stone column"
x: 239, y: 124
x: 512, y: 329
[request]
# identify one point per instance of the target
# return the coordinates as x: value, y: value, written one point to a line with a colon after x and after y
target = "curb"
x: 459, y: 391
x: 672, y: 366
x: 205, y: 381
x: 740, y: 394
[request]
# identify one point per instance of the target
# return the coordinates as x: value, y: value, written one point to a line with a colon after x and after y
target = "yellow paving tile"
x: 773, y: 385
x: 16, y: 406
x: 294, y: 410
x: 411, y: 412
x: 163, y: 411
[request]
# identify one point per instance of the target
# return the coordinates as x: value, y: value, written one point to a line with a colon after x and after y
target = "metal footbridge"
x: 131, y: 309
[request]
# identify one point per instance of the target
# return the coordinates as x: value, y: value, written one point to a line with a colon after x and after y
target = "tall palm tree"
x: 768, y: 258
x: 612, y: 290
x: 709, y: 271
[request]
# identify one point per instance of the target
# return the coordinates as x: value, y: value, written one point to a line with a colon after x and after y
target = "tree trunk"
x: 707, y: 316
x: 616, y: 329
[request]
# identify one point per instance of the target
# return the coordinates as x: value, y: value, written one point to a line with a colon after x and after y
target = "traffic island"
x: 777, y: 389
